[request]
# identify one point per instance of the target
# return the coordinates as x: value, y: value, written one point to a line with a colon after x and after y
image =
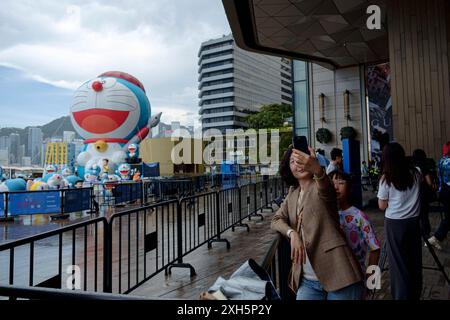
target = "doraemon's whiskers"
x: 120, y: 102
x: 119, y: 95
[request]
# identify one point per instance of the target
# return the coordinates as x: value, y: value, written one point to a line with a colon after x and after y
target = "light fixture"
x: 347, y: 104
x: 322, y: 107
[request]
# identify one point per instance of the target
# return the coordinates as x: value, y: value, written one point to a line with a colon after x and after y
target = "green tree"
x: 273, y: 116
x: 270, y: 116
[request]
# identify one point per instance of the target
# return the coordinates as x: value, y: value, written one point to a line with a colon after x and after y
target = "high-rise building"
x: 56, y: 153
x: 26, y: 161
x: 68, y: 136
x: 21, y: 153
x: 234, y: 83
x: 14, y: 144
x: 34, y: 144
x: 4, y: 158
x: 4, y: 143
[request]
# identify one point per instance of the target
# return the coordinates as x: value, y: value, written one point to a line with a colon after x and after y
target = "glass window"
x: 299, y: 70
x: 301, y: 98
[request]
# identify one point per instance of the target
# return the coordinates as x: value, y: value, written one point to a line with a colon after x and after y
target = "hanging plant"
x: 323, y: 135
x: 348, y: 133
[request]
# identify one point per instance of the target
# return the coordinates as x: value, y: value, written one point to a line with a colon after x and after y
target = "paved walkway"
x: 218, y: 261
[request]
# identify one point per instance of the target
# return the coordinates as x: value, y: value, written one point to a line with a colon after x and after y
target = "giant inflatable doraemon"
x: 110, y: 113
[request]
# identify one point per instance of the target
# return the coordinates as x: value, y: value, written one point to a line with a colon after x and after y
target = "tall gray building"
x: 14, y: 146
x: 234, y: 83
x: 34, y: 144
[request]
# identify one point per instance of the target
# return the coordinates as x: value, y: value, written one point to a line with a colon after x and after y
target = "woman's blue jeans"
x: 313, y: 290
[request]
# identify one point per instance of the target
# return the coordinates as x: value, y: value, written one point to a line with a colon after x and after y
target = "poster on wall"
x: 380, y: 107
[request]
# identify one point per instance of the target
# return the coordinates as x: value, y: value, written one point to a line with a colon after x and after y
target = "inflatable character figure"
x: 110, y: 113
x: 56, y: 181
x: 10, y: 185
x: 66, y: 172
x: 137, y: 175
x: 124, y: 171
x: 36, y: 184
x: 50, y: 169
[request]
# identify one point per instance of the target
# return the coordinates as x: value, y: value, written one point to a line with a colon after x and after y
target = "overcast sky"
x: 49, y: 47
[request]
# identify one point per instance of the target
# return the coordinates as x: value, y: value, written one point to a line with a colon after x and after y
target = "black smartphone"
x: 300, y: 143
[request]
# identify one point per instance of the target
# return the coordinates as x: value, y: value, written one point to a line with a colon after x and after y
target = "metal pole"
x: 179, y: 233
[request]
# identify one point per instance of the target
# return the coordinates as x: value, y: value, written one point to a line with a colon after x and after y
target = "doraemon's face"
x: 50, y: 168
x: 124, y: 169
x: 66, y: 172
x: 132, y: 148
x: 106, y: 107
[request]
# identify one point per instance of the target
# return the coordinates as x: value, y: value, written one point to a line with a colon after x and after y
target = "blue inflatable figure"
x: 110, y: 113
x: 10, y: 185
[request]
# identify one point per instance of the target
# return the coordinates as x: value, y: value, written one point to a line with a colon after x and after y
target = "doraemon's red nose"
x: 97, y: 86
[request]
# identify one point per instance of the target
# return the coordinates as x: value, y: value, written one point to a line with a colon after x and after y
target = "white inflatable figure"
x: 124, y: 171
x: 113, y: 178
x: 110, y: 112
x: 66, y: 172
x: 132, y: 151
x: 56, y: 182
x: 50, y: 169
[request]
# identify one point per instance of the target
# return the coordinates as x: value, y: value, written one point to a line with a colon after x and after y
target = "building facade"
x: 35, y: 139
x: 14, y: 146
x: 342, y: 45
x: 234, y: 83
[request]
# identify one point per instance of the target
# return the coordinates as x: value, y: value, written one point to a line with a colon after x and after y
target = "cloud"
x: 65, y: 43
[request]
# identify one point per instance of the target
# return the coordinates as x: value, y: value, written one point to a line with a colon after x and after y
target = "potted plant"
x: 323, y: 135
x: 348, y: 133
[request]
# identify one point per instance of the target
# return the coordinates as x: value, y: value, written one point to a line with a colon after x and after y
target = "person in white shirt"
x: 398, y: 195
x: 336, y: 160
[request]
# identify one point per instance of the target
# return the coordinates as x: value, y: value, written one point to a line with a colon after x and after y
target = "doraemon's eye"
x: 108, y: 82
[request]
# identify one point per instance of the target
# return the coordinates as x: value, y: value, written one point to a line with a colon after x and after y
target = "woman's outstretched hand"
x: 307, y: 162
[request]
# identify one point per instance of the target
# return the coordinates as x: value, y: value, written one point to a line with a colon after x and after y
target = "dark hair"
x: 397, y: 170
x: 419, y: 158
x: 321, y: 151
x: 335, y: 152
x: 107, y: 160
x: 285, y: 169
x: 341, y: 175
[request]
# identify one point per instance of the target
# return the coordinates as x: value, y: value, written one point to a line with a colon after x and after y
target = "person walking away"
x: 398, y: 195
x: 419, y: 159
x: 444, y: 197
x: 323, y: 265
x: 336, y: 160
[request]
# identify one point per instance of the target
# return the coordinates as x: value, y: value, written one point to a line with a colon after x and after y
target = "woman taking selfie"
x: 323, y: 266
x: 399, y: 195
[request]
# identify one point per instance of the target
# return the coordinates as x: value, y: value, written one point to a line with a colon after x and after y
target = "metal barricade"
x: 144, y: 242
x: 69, y: 257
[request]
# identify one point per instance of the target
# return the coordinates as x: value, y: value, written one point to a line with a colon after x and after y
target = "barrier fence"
x: 60, y: 201
x: 119, y: 255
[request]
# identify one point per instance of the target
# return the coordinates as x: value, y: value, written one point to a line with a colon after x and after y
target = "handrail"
x: 51, y: 233
x: 180, y: 223
x: 271, y: 253
x: 60, y: 294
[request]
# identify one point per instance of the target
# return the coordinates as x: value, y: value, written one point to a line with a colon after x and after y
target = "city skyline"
x: 62, y: 45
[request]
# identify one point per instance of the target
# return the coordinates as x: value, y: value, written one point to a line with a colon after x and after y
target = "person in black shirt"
x: 427, y: 193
